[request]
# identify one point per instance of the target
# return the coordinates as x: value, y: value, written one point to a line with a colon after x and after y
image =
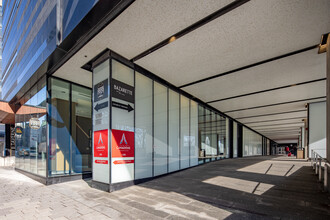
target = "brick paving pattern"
x: 245, y: 188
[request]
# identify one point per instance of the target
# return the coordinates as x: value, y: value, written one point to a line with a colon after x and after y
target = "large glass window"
x: 70, y: 128
x: 160, y: 129
x: 59, y: 142
x: 81, y: 122
x: 185, y: 137
x: 143, y: 127
x: 193, y: 133
x: 31, y: 131
x: 174, y: 132
x: 212, y: 135
x: 252, y: 143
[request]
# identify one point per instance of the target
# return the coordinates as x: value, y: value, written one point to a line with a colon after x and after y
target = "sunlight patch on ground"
x: 239, y: 184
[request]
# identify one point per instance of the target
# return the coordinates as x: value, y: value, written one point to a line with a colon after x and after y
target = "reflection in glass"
x: 30, y: 123
x: 81, y: 112
x: 70, y: 131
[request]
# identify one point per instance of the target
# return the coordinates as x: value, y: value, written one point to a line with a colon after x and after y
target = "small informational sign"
x: 34, y: 123
x: 101, y: 90
x: 101, y: 161
x: 101, y: 143
x: 122, y: 144
x: 122, y: 91
x: 18, y: 130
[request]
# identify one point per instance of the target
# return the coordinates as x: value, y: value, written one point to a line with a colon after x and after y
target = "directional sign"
x: 101, y: 105
x: 122, y: 106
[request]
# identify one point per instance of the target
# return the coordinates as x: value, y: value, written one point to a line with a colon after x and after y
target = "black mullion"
x: 70, y: 127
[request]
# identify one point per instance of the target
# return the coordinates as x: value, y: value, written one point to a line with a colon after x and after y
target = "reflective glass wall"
x: 213, y: 135
x: 69, y: 128
x: 31, y: 131
x: 166, y: 129
x: 31, y: 32
x: 252, y: 143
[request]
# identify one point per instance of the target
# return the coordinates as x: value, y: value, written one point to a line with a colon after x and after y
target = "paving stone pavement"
x: 244, y: 188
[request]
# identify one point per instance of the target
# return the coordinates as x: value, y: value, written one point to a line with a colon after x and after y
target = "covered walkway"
x: 246, y: 188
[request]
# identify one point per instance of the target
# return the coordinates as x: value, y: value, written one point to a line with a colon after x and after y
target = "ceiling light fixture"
x: 173, y: 38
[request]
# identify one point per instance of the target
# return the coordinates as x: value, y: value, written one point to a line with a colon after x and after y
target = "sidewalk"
x: 246, y: 188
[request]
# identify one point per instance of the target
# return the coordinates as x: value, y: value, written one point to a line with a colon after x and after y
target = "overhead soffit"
x: 139, y: 27
x: 278, y: 107
x: 295, y: 69
x: 311, y: 90
x: 253, y: 32
x: 267, y: 122
x: 274, y: 116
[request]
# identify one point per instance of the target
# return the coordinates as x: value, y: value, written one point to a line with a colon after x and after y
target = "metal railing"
x: 316, y: 163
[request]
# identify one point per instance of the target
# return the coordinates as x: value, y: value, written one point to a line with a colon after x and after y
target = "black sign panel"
x: 101, y: 90
x: 123, y: 106
x: 122, y: 91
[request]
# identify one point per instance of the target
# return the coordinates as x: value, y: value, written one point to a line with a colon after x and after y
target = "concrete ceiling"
x: 269, y: 97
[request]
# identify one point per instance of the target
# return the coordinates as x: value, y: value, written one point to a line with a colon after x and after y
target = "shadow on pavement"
x: 254, y: 187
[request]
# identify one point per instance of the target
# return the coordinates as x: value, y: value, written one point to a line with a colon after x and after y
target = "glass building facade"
x: 32, y: 31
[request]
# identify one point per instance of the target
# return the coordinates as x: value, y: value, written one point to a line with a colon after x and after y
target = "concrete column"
x: 328, y: 99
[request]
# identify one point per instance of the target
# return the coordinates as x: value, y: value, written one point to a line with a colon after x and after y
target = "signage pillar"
x: 101, y: 163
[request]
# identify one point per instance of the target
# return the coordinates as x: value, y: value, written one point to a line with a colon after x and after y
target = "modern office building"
x: 125, y: 91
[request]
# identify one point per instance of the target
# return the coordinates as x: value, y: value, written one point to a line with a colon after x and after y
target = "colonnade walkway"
x: 264, y: 187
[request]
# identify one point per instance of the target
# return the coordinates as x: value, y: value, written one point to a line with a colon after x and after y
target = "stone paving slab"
x: 244, y: 188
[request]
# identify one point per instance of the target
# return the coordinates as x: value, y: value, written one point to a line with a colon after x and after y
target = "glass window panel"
x: 207, y: 133
x: 235, y: 139
x: 122, y: 73
x: 193, y: 133
x: 81, y: 129
x: 26, y: 134
x: 42, y: 131
x: 160, y: 129
x: 201, y: 134
x: 143, y: 127
x: 34, y: 133
x: 174, y: 117
x: 185, y: 148
x: 214, y: 136
x: 59, y: 143
x: 226, y: 138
